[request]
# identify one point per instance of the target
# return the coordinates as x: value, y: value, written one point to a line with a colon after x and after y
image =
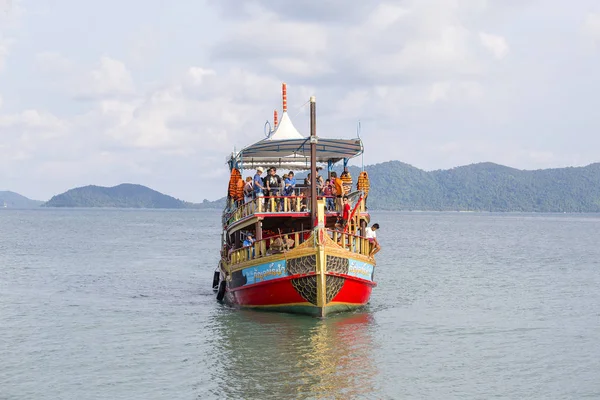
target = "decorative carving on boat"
x: 337, y: 264
x: 334, y: 285
x: 306, y: 286
x: 301, y: 265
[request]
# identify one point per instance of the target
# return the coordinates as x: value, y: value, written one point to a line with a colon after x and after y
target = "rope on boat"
x: 300, y: 108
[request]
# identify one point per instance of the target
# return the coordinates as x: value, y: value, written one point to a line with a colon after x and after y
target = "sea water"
x: 117, y: 304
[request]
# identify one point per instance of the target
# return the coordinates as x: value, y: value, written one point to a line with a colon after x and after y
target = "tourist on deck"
x: 371, y: 235
x: 289, y: 184
x: 306, y: 193
x: 328, y: 193
x: 343, y: 221
x: 248, y: 189
x: 320, y: 181
x: 259, y: 188
x: 249, y: 242
x: 347, y: 181
x: 289, y: 187
x: 338, y: 189
x: 273, y: 183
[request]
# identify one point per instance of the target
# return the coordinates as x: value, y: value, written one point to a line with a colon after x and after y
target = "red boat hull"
x: 283, y: 294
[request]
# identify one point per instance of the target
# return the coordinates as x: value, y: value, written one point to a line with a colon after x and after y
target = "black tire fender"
x: 221, y: 290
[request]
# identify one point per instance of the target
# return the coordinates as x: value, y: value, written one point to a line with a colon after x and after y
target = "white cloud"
x: 386, y: 15
x: 33, y: 120
x: 430, y: 83
x: 111, y: 78
x: 198, y: 75
x: 5, y: 45
x: 53, y: 62
x: 591, y: 26
x: 495, y: 44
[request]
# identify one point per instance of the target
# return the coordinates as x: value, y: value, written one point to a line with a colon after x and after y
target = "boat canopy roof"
x: 287, y: 148
x: 295, y: 153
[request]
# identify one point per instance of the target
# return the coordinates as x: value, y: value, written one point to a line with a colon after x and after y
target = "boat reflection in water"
x: 283, y: 356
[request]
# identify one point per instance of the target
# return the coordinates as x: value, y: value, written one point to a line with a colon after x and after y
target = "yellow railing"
x: 277, y: 204
x: 354, y: 243
x: 259, y: 248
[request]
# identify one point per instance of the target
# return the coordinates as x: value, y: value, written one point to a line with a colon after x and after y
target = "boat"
x: 300, y: 259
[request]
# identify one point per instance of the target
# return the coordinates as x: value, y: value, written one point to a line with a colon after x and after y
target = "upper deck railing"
x: 281, y: 205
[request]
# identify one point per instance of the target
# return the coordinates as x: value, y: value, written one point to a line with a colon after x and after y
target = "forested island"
x: 15, y: 200
x: 395, y: 186
x: 484, y: 187
x: 126, y: 195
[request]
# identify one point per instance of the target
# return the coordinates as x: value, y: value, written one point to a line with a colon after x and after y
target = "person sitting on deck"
x: 281, y: 244
x: 371, y: 235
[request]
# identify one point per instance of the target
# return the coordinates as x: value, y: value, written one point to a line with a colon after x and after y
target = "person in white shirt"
x: 371, y: 235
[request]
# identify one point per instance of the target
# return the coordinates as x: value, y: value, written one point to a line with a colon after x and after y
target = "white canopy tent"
x: 287, y: 148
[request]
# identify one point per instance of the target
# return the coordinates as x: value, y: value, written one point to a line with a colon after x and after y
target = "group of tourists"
x: 332, y: 189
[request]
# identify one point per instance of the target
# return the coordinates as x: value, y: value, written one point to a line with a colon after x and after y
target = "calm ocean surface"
x: 117, y: 304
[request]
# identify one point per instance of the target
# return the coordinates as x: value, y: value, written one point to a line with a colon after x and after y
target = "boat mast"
x: 313, y: 162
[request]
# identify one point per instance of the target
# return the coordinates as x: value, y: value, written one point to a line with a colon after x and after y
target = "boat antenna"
x: 362, y: 154
x: 313, y: 162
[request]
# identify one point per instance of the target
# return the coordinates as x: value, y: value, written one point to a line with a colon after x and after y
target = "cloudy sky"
x: 158, y: 92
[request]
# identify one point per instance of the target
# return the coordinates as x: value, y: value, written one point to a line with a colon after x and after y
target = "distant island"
x: 126, y: 195
x: 14, y: 200
x: 394, y: 186
x: 484, y: 187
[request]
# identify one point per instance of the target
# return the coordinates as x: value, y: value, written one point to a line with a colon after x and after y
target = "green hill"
x: 399, y: 186
x: 122, y: 196
x: 15, y: 200
x: 484, y: 187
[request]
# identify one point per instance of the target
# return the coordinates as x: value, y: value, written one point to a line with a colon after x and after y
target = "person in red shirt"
x: 342, y: 222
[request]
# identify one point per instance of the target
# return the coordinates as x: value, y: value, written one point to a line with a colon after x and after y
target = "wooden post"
x: 258, y: 229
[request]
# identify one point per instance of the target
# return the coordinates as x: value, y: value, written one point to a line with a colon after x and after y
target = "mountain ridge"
x: 124, y: 195
x: 10, y: 199
x: 396, y: 185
